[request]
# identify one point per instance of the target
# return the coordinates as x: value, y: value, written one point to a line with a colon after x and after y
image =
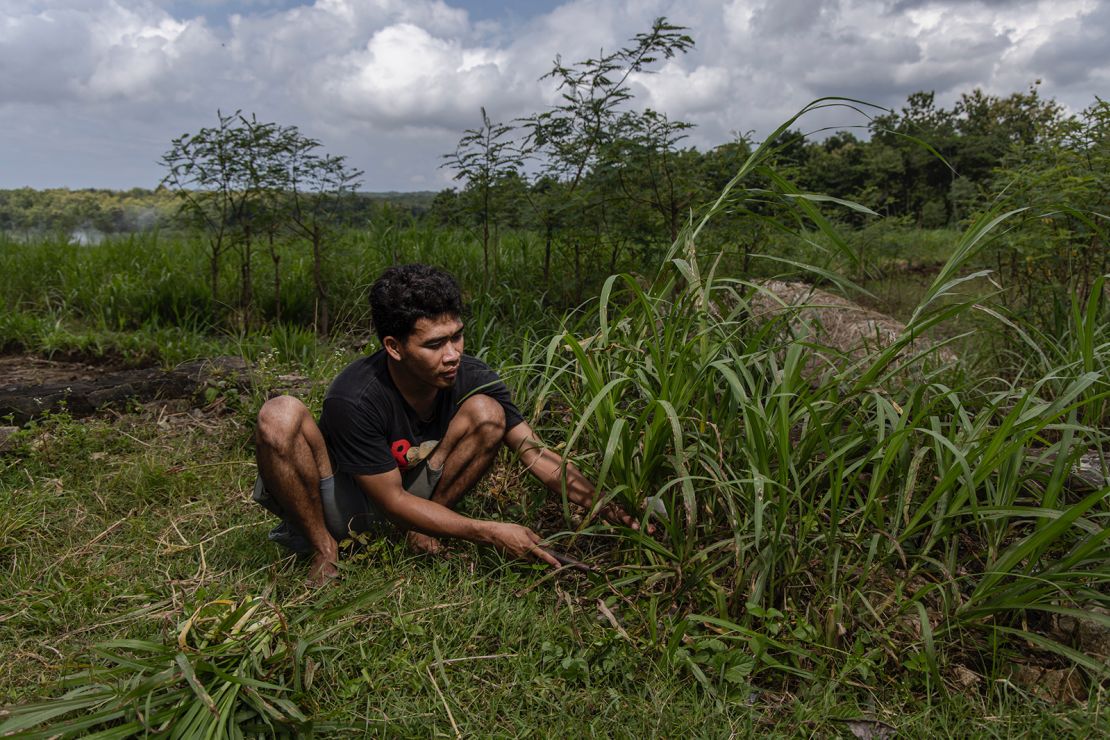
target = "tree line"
x: 630, y: 180
x: 31, y: 211
x: 26, y: 210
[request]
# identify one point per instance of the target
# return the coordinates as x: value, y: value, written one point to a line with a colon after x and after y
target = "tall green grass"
x: 884, y: 516
x: 145, y: 297
x: 127, y: 283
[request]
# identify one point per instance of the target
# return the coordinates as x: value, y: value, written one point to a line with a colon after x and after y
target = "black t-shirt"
x: 369, y: 428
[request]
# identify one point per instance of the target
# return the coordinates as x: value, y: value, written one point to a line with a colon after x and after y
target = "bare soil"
x: 27, y: 370
x: 31, y: 386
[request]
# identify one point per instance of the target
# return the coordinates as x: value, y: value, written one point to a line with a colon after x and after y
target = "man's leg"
x: 468, y: 449
x: 292, y: 458
x: 465, y: 453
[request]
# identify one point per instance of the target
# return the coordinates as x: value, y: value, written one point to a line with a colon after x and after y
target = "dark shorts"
x: 347, y: 510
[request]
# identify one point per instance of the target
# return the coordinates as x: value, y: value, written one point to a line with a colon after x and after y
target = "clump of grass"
x: 840, y: 525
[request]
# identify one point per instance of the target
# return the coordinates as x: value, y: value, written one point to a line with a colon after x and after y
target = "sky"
x: 93, y: 91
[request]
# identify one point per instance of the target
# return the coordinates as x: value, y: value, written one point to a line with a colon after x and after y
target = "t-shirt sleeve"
x: 488, y: 383
x: 356, y: 438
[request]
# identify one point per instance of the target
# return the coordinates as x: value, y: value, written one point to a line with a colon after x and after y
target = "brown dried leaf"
x: 965, y: 678
x: 870, y: 729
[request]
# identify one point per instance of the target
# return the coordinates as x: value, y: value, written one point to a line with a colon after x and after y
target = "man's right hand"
x: 518, y: 542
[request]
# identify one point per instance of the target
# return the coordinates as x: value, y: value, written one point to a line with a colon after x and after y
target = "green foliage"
x: 489, y: 161
x: 1059, y: 179
x: 754, y: 468
x: 234, y: 668
x: 968, y: 141
x: 154, y: 285
x: 605, y: 163
x: 84, y: 215
x: 245, y: 184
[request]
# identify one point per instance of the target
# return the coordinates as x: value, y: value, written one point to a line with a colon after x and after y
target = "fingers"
x: 566, y: 561
x: 522, y: 542
x: 616, y: 515
x: 541, y: 554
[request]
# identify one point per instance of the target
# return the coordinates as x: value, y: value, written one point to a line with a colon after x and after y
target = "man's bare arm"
x: 413, y: 512
x: 547, y: 466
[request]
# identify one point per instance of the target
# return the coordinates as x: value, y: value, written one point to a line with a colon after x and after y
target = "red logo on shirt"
x: 399, y: 448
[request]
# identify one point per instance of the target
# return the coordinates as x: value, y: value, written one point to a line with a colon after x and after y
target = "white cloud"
x: 673, y: 88
x: 61, y: 51
x: 392, y: 83
x: 132, y: 58
x: 407, y: 77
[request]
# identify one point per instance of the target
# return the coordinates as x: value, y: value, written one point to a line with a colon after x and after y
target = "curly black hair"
x: 406, y: 293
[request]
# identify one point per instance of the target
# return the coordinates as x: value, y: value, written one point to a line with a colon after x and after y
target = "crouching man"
x: 404, y: 434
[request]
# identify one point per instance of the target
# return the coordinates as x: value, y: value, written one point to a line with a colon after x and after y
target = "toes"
x: 322, y: 578
x: 322, y: 572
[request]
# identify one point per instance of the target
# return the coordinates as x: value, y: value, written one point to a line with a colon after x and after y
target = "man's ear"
x: 392, y: 347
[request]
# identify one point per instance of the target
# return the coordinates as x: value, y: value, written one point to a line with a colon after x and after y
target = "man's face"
x: 432, y: 352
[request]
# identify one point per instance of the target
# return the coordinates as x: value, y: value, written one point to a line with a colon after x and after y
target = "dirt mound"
x: 835, y: 322
x: 32, y: 386
x: 25, y: 370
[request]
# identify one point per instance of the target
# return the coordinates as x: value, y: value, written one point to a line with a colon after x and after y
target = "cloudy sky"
x: 92, y: 91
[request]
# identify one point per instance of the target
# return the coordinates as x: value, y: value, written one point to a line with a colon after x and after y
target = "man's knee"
x: 279, y: 422
x: 485, y: 416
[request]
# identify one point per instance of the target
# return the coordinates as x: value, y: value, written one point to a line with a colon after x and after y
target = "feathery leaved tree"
x: 571, y: 139
x: 488, y: 159
x: 244, y: 181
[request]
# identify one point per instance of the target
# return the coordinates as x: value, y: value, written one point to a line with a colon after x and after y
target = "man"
x: 403, y: 435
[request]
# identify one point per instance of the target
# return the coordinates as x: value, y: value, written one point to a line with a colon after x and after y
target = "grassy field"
x: 120, y: 528
x: 843, y: 537
x: 165, y: 525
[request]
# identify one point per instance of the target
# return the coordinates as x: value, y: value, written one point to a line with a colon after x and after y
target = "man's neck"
x: 420, y: 396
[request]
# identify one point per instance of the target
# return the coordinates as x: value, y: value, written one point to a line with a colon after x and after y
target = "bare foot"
x: 423, y: 543
x: 322, y: 571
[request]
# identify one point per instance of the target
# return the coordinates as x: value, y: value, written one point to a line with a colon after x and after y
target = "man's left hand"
x: 614, y: 514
